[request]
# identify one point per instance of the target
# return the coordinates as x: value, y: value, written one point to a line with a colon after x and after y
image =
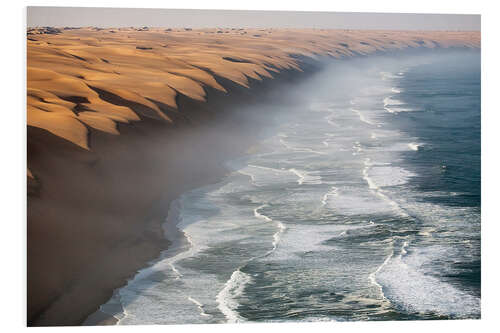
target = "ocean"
x: 361, y: 201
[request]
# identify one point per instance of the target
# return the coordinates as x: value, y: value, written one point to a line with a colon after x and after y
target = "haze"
x: 179, y: 18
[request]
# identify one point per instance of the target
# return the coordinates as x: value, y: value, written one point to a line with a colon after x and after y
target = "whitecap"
x: 226, y: 298
x: 305, y: 177
x: 411, y: 289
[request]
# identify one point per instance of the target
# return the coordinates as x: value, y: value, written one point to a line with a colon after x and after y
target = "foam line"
x: 226, y: 298
x: 407, y: 285
x: 298, y: 174
x: 308, y: 150
x: 331, y: 192
x: 276, y: 235
x: 261, y: 216
x: 361, y: 117
x: 414, y: 146
x: 377, y: 190
x: 252, y: 177
x: 177, y: 273
x: 373, y: 276
x: 200, y: 307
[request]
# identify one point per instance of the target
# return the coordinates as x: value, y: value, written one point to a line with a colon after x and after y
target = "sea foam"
x: 412, y: 290
x: 227, y: 297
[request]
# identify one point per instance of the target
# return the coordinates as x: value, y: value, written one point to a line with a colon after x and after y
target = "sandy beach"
x: 123, y: 121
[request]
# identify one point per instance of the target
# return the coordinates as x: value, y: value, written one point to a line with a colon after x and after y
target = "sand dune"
x: 147, y: 66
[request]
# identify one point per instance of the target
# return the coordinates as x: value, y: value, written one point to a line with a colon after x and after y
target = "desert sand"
x: 147, y: 66
x: 118, y: 122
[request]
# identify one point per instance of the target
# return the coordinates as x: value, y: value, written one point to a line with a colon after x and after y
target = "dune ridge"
x: 122, y: 121
x: 150, y: 66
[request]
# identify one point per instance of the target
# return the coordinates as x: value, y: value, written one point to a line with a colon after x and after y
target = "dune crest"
x: 69, y: 69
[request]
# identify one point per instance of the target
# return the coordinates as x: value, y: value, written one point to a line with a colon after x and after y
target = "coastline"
x: 217, y: 207
x: 131, y: 252
x: 77, y: 194
x: 176, y: 244
x: 173, y: 234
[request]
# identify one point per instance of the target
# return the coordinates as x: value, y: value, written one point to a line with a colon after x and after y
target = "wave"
x: 226, y: 298
x: 384, y: 176
x: 332, y: 192
x: 370, y: 182
x: 259, y: 215
x: 114, y: 307
x: 397, y: 110
x: 252, y: 177
x: 356, y: 202
x: 390, y: 101
x: 373, y: 276
x: 262, y: 175
x: 376, y: 188
x: 408, y: 286
x: 362, y: 117
x: 276, y: 236
x: 300, y: 149
x: 392, y: 105
x: 176, y: 271
x: 403, y: 146
x: 200, y: 307
x: 305, y: 177
x: 264, y: 168
x: 389, y: 76
x: 414, y: 146
x: 235, y: 286
x: 300, y: 175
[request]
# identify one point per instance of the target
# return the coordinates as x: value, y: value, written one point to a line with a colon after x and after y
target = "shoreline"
x: 174, y: 235
x: 170, y: 307
x: 176, y: 239
x: 150, y: 242
x: 115, y: 190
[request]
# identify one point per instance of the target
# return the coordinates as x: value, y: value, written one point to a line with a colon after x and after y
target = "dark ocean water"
x: 448, y: 94
x: 361, y: 202
x: 449, y: 98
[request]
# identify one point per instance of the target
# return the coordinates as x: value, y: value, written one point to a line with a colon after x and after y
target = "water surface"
x: 362, y: 202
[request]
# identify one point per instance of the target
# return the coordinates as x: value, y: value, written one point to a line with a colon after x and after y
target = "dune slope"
x: 152, y: 66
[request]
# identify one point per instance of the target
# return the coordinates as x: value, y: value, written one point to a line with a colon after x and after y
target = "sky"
x: 193, y: 18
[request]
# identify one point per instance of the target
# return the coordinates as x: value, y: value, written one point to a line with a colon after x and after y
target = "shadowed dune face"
x: 152, y: 66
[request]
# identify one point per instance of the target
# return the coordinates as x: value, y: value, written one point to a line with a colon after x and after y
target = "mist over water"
x: 361, y: 201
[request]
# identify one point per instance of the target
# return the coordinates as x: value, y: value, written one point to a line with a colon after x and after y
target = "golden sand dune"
x: 66, y: 68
